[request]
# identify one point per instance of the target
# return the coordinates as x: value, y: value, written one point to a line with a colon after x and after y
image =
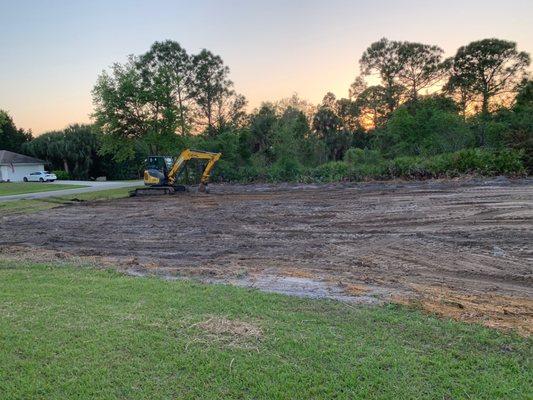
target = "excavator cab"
x: 157, y: 168
x: 162, y: 172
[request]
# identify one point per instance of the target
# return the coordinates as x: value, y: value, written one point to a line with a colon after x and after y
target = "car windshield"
x: 46, y: 172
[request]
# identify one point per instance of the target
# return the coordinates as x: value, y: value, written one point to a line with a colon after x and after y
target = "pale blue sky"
x: 51, y: 52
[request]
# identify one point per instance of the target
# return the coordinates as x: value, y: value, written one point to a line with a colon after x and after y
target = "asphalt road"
x: 92, y: 186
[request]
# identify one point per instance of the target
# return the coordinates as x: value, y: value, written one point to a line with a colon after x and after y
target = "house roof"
x: 8, y: 157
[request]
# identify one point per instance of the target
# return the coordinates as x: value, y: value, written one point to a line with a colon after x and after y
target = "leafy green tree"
x: 513, y: 128
x: 429, y: 129
x: 403, y: 67
x: 165, y: 100
x: 231, y: 112
x: 328, y: 126
x: 361, y: 138
x: 368, y: 105
x: 262, y: 127
x: 210, y: 82
x: 438, y: 102
x: 290, y: 128
x: 142, y: 105
x: 383, y: 57
x: 421, y: 66
x: 228, y: 143
x: 488, y: 69
x: 120, y: 110
x: 346, y: 109
x: 81, y: 145
x: 373, y: 105
x: 50, y: 146
x: 330, y: 101
x: 166, y: 71
x: 357, y: 87
x: 292, y: 144
x: 349, y: 112
x: 524, y: 97
x: 297, y: 103
x: 459, y: 87
x: 74, y: 149
x: 218, y: 104
x: 11, y: 137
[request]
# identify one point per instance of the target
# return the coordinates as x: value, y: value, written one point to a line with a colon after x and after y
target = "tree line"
x: 476, y: 104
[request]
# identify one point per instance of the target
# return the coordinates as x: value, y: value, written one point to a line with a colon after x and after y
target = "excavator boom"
x: 187, y: 155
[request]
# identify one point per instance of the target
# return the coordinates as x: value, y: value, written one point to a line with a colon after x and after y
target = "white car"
x: 40, y: 176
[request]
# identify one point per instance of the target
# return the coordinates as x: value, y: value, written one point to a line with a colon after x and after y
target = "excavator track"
x: 157, y: 190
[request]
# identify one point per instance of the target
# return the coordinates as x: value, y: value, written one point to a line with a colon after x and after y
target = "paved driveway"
x: 92, y: 186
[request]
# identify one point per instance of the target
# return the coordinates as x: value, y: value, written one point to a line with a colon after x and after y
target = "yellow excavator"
x: 162, y: 172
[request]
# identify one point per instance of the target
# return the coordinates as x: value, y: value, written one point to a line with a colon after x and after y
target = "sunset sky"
x: 51, y: 52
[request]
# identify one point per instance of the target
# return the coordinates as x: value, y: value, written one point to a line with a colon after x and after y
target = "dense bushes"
x: 362, y: 156
x: 477, y: 161
x: 447, y: 165
x: 297, y: 157
x: 285, y: 169
x: 61, y: 175
x: 429, y: 128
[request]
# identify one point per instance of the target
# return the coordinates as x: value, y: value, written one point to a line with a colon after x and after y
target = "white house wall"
x: 20, y: 170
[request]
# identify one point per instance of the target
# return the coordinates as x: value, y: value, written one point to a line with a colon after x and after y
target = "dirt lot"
x: 458, y: 248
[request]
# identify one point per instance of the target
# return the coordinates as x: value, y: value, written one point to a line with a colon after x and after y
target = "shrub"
x: 228, y: 172
x: 510, y: 162
x: 469, y: 161
x: 61, y: 175
x: 367, y: 165
x: 330, y: 172
x: 479, y: 161
x: 441, y: 165
x: 225, y: 172
x: 354, y: 155
x: 362, y: 156
x: 490, y: 162
x: 408, y: 167
x: 286, y: 169
x: 428, y: 129
x: 364, y: 172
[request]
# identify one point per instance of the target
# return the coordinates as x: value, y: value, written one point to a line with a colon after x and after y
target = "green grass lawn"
x: 34, y: 205
x: 70, y: 332
x: 10, y: 188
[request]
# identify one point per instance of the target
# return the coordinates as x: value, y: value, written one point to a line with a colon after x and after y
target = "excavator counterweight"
x: 162, y: 172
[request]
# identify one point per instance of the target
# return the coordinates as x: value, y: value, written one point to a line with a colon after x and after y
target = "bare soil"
x: 457, y: 248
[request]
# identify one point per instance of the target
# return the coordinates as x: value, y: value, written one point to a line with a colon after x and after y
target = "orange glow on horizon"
x: 273, y: 49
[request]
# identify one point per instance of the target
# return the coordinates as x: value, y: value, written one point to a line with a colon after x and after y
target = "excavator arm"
x: 187, y: 155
